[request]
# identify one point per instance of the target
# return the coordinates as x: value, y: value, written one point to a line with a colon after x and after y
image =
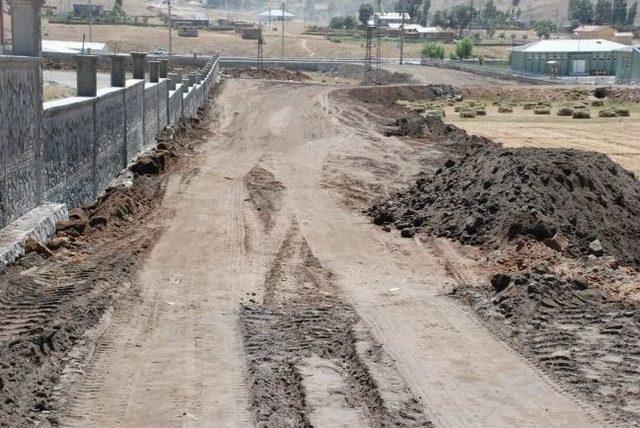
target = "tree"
x: 433, y: 50
x: 364, y: 13
x: 349, y: 22
x: 580, y: 11
x: 619, y: 14
x: 464, y: 48
x: 461, y: 16
x: 336, y: 23
x: 603, y: 12
x: 424, y: 16
x: 490, y: 13
x: 441, y: 19
x: 544, y: 28
x: 631, y: 15
x: 412, y: 7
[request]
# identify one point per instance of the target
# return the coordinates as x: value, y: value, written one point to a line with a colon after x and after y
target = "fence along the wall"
x: 70, y: 150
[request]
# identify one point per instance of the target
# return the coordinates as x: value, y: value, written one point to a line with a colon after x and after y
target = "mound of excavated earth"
x: 491, y: 194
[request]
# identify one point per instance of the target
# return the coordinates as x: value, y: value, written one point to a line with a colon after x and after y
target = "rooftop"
x: 590, y: 28
x: 391, y: 15
x: 570, y: 45
x: 276, y: 12
x: 72, y: 47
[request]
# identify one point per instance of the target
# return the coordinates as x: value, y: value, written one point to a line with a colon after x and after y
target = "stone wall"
x: 69, y: 150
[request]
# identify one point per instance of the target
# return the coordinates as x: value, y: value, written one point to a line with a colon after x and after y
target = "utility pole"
x: 367, y: 54
x: 282, y: 54
x: 260, y: 51
x: 378, y: 41
x: 1, y: 26
x: 401, y: 31
x: 90, y: 21
x: 170, y: 33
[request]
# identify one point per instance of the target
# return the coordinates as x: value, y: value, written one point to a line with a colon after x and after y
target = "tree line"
x: 617, y: 13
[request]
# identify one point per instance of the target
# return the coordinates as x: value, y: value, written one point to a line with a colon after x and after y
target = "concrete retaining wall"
x: 69, y: 150
x: 151, y: 107
x: 20, y: 113
x: 175, y: 104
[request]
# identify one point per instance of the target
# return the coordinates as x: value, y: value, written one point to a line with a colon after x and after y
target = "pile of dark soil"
x: 573, y: 331
x: 356, y: 72
x: 388, y: 97
x: 490, y: 194
x: 265, y: 73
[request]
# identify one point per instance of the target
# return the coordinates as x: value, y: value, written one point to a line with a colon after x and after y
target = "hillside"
x: 531, y: 9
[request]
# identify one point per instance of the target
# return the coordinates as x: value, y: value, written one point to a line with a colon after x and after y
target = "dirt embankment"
x: 265, y: 73
x: 54, y: 300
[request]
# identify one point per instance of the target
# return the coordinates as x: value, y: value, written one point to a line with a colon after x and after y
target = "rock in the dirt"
x: 500, y: 281
x: 149, y: 164
x: 541, y: 231
x: 595, y: 247
x: 558, y: 243
x: 57, y: 242
x: 78, y: 225
x: 31, y: 245
x: 408, y: 232
x: 97, y: 221
x: 580, y: 282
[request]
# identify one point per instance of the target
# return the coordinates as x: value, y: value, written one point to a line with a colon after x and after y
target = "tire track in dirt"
x: 265, y: 194
x: 310, y: 358
x: 583, y: 338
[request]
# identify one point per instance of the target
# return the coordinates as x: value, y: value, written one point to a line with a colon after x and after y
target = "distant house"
x: 275, y: 15
x: 624, y: 38
x: 568, y: 57
x: 196, y: 21
x: 85, y: 10
x: 187, y: 31
x: 590, y: 32
x: 416, y: 31
x: 628, y: 65
x: 383, y: 19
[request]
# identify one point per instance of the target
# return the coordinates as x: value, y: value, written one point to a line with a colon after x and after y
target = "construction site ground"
x: 616, y: 137
x: 243, y: 285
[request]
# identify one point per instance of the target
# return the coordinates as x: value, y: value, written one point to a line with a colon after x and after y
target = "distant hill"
x: 531, y: 9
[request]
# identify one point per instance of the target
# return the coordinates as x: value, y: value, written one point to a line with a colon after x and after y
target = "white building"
x: 275, y: 15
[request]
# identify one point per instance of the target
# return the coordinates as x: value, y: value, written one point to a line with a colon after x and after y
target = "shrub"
x: 464, y: 48
x: 542, y: 110
x: 622, y: 111
x: 434, y: 113
x: 468, y: 114
x: 581, y: 114
x: 565, y: 111
x: 480, y: 111
x: 607, y: 113
x: 505, y: 109
x: 529, y: 106
x: 458, y: 108
x: 597, y: 103
x: 433, y: 50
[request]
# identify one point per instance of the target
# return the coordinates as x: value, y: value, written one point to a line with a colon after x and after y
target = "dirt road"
x: 268, y: 300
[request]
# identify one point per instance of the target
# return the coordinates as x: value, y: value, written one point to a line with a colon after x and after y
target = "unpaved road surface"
x: 269, y: 300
